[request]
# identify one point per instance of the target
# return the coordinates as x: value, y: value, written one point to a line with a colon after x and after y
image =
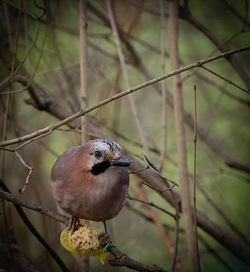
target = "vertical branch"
x: 180, y: 138
x: 158, y: 223
x: 174, y: 262
x: 83, y: 261
x: 8, y: 25
x: 13, y: 49
x: 83, y: 65
x: 125, y: 76
x: 163, y: 88
x: 194, y: 175
x: 26, y: 35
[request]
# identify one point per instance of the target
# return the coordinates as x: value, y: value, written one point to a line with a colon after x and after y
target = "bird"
x: 91, y: 181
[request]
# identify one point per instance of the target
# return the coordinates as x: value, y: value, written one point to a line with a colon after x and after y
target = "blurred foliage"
x: 48, y: 48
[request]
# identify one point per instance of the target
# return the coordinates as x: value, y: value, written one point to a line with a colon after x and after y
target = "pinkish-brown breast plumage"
x: 85, y: 194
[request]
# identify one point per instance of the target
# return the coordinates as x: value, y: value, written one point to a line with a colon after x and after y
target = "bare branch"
x: 163, y: 88
x: 119, y: 95
x: 221, y: 89
x: 30, y: 171
x: 153, y: 178
x: 139, y: 124
x: 194, y: 175
x: 150, y: 165
x: 118, y: 259
x: 168, y: 227
x: 152, y: 205
x: 159, y: 225
x: 186, y: 15
x: 180, y: 139
x: 17, y: 201
x: 121, y: 259
x: 225, y: 79
x: 160, y: 190
x: 83, y: 65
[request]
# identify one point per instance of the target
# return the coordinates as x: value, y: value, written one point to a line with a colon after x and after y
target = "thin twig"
x: 225, y: 79
x: 119, y: 95
x: 17, y: 201
x: 158, y: 223
x: 8, y: 25
x: 83, y: 65
x: 159, y: 190
x: 138, y: 122
x: 118, y: 258
x: 167, y: 228
x: 177, y: 221
x: 139, y: 170
x: 213, y: 229
x: 22, y: 160
x: 163, y: 88
x: 194, y: 174
x: 21, y: 63
x: 221, y: 89
x: 150, y: 165
x: 28, y: 176
x: 153, y: 205
x: 223, y: 215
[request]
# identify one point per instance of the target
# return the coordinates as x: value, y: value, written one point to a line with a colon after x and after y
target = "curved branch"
x: 186, y: 15
x: 155, y: 180
x: 29, y: 224
x: 121, y: 259
x: 118, y: 258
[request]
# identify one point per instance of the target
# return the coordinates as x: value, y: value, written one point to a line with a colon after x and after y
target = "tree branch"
x: 83, y: 64
x: 119, y: 95
x: 17, y: 200
x: 118, y: 258
x: 155, y: 180
x: 187, y: 209
x: 116, y: 35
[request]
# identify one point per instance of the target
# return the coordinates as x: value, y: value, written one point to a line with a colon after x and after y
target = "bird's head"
x: 103, y: 154
x: 94, y: 157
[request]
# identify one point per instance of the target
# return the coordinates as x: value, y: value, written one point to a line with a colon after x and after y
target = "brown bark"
x: 158, y: 223
x: 83, y: 261
x: 83, y: 64
x: 121, y: 57
x: 180, y: 139
x: 152, y: 178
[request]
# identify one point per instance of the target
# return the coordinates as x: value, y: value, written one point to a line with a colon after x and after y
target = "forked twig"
x: 21, y: 190
x: 151, y: 204
x: 151, y: 166
x: 28, y: 176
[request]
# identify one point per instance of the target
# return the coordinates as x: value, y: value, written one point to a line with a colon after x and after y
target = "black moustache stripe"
x: 100, y: 167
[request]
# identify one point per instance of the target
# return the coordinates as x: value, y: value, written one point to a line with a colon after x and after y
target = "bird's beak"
x: 122, y: 162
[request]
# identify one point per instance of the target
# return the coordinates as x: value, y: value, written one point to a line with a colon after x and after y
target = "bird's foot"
x: 105, y: 239
x: 73, y: 224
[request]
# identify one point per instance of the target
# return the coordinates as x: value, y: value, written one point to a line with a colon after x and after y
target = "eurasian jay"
x: 91, y: 181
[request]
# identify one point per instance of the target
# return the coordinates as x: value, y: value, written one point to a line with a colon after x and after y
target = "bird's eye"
x: 98, y: 154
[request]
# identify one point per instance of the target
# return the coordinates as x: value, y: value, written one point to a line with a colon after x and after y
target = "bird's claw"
x: 73, y: 224
x: 105, y: 239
